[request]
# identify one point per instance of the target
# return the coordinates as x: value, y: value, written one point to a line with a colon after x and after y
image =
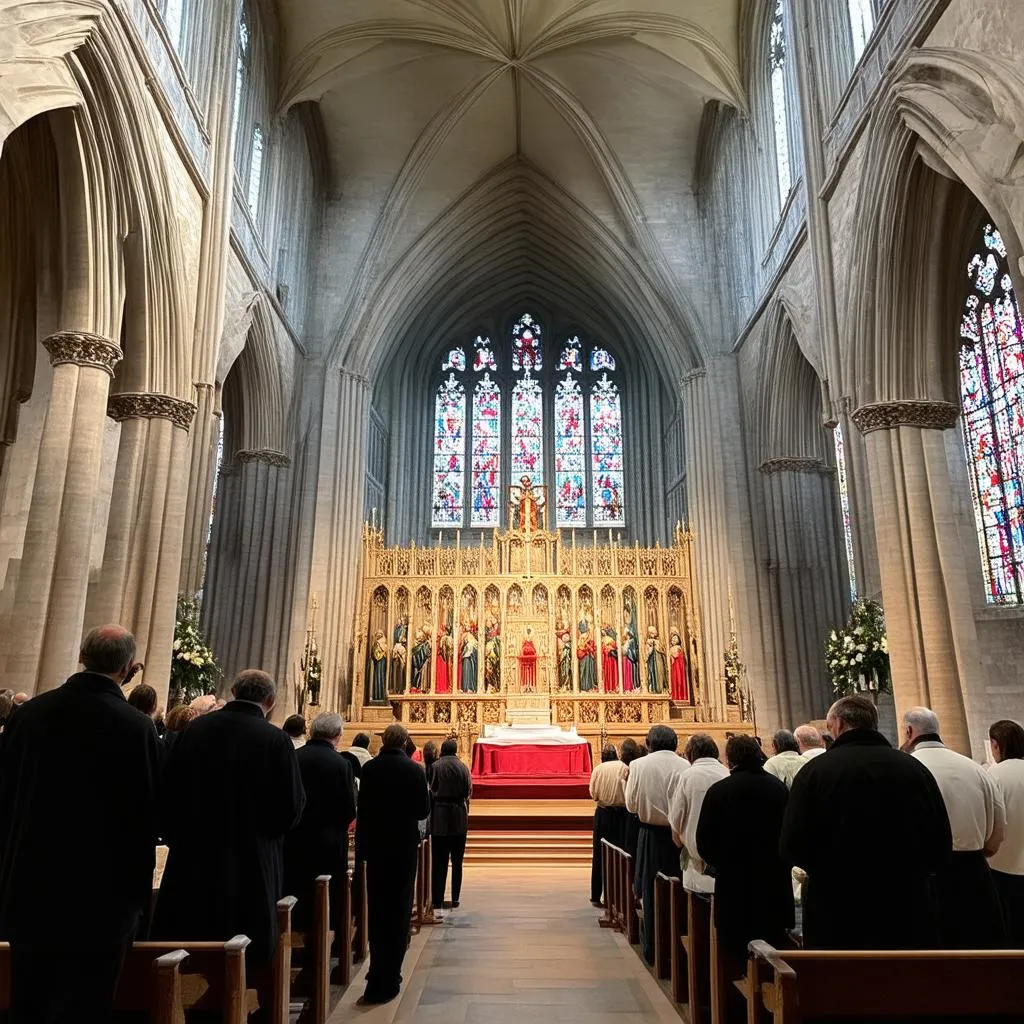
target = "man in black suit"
x: 318, y: 845
x: 392, y: 802
x: 451, y: 786
x: 863, y: 810
x: 231, y: 792
x: 78, y: 784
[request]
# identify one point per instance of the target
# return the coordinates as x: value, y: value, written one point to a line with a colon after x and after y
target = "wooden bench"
x: 788, y: 986
x: 622, y: 910
x: 312, y: 979
x: 423, y: 905
x: 360, y: 914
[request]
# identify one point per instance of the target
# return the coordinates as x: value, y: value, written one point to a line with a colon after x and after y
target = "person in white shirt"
x: 970, y: 915
x: 684, y: 810
x: 785, y: 761
x: 809, y: 740
x: 650, y: 788
x: 1007, y: 863
x: 608, y: 791
x: 360, y: 748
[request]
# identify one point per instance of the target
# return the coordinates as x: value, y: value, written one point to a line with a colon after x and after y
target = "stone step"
x: 529, y: 846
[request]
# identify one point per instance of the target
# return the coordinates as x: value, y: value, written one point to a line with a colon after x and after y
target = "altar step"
x: 539, y: 848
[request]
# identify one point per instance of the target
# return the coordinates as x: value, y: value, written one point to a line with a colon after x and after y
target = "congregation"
x: 780, y: 839
x: 249, y: 812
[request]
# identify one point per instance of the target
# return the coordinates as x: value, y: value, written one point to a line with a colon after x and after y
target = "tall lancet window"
x: 486, y: 454
x: 606, y: 457
x: 844, y: 507
x: 527, y: 430
x: 241, y: 71
x: 992, y: 398
x: 570, y: 454
x: 777, y: 55
x: 862, y: 24
x: 449, y: 453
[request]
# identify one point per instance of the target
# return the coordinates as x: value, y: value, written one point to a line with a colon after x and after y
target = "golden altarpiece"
x: 593, y: 634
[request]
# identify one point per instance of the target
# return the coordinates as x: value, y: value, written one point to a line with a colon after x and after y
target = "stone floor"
x: 522, y: 940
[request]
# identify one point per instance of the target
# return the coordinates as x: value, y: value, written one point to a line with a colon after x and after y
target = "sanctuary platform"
x: 528, y: 762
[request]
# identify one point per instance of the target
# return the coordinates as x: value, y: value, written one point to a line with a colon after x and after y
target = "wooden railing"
x: 621, y: 904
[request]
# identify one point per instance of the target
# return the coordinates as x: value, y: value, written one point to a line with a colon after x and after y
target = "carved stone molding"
x: 266, y: 455
x: 149, y: 406
x: 914, y: 413
x: 794, y: 465
x: 83, y: 349
x: 691, y: 375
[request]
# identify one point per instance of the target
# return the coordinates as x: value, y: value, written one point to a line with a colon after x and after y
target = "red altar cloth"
x: 524, y: 759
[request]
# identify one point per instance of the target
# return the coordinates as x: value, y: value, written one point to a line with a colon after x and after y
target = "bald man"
x: 78, y: 779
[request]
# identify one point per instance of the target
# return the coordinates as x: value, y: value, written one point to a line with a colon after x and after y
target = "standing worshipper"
x: 1007, y: 863
x: 785, y: 761
x: 318, y: 845
x: 684, y: 811
x: 295, y: 729
x: 360, y: 748
x: 608, y: 790
x: 970, y: 915
x: 392, y: 803
x: 225, y: 867
x: 451, y: 787
x: 78, y: 791
x: 809, y: 741
x: 650, y: 788
x: 738, y: 836
x: 866, y: 807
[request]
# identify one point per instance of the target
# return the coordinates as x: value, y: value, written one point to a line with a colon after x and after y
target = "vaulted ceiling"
x: 594, y: 105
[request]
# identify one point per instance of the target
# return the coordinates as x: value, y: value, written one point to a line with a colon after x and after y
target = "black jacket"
x: 866, y: 819
x: 451, y: 786
x: 79, y: 773
x: 392, y: 802
x: 318, y: 845
x: 738, y: 836
x: 232, y: 790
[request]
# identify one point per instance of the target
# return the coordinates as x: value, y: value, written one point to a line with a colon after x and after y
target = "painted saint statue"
x: 528, y: 664
x: 564, y: 659
x: 586, y: 654
x: 468, y: 660
x: 529, y: 506
x: 492, y: 655
x: 378, y: 669
x: 657, y: 668
x: 421, y: 662
x: 610, y: 659
x: 630, y: 659
x: 679, y: 689
x: 443, y: 668
x: 399, y: 655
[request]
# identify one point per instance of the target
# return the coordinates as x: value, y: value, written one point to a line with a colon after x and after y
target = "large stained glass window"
x: 486, y: 510
x: 455, y: 360
x: 844, y: 505
x: 992, y: 398
x: 484, y: 356
x: 527, y: 353
x: 606, y: 453
x: 449, y: 453
x: 570, y: 455
x: 255, y: 170
x: 570, y: 358
x: 780, y: 115
x: 527, y: 430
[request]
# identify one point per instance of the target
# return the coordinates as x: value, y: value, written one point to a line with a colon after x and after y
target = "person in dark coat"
x: 628, y: 753
x: 318, y: 845
x: 78, y: 787
x: 231, y: 792
x: 865, y: 811
x: 392, y: 803
x: 451, y: 787
x: 738, y: 838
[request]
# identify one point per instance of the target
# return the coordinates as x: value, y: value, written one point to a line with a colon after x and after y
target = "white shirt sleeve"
x: 677, y: 810
x: 632, y: 788
x: 996, y: 815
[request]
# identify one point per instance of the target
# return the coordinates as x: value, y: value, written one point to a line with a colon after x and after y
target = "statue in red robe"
x: 528, y: 664
x: 443, y: 670
x: 678, y: 687
x: 610, y: 659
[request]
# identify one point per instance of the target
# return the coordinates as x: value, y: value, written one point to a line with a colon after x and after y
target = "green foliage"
x: 194, y: 669
x: 860, y: 648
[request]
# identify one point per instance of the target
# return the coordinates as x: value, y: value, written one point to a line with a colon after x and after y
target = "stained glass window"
x: 571, y: 358
x: 255, y: 170
x: 449, y: 453
x: 601, y: 359
x: 527, y: 353
x: 992, y: 399
x: 527, y: 430
x: 241, y: 64
x: 484, y: 356
x: 570, y: 455
x: 777, y: 65
x: 455, y: 360
x: 486, y: 509
x: 862, y: 24
x: 844, y: 505
x: 173, y: 18
x: 606, y: 453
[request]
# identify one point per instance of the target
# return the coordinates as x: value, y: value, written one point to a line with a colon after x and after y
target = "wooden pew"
x: 663, y: 938
x: 361, y: 934
x: 343, y: 939
x: 311, y: 975
x: 787, y: 986
x: 697, y: 945
x: 622, y: 912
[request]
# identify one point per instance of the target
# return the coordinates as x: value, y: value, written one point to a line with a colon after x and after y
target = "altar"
x: 530, y: 761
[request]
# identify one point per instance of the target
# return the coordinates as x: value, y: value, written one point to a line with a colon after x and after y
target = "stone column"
x: 718, y: 507
x: 805, y: 576
x: 138, y: 583
x: 201, y: 483
x: 925, y: 590
x: 45, y: 631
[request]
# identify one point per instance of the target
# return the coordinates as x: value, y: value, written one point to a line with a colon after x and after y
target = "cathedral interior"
x: 295, y: 294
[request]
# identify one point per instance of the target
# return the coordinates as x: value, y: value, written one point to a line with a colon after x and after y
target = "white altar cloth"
x: 539, y: 735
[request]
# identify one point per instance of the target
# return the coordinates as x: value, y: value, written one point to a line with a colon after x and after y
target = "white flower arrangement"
x: 859, y: 651
x: 194, y: 670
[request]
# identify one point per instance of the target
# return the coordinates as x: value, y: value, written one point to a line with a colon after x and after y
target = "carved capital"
x: 691, y: 375
x: 793, y: 465
x: 266, y: 455
x: 83, y: 349
x: 914, y: 413
x: 148, y: 406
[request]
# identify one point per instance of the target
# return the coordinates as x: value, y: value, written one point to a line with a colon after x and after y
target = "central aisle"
x: 521, y: 941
